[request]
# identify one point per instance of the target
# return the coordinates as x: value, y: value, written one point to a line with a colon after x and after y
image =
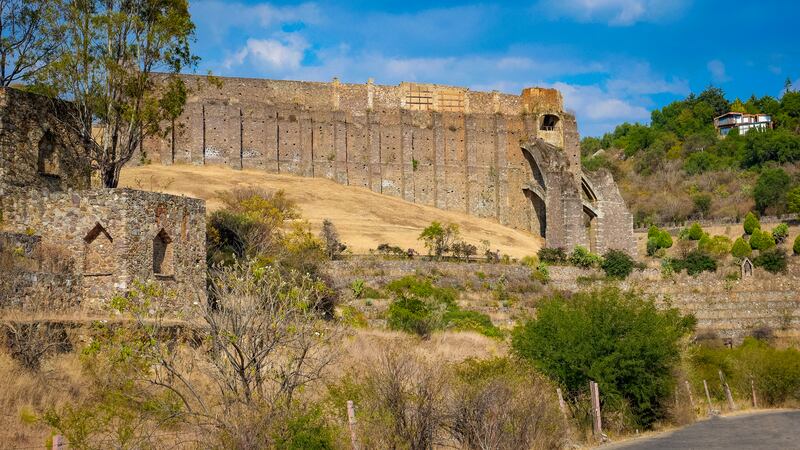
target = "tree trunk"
x: 111, y: 175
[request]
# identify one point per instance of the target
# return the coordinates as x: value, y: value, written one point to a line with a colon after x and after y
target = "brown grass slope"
x: 363, y: 218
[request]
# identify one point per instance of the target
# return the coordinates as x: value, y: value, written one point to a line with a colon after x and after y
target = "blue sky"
x: 614, y: 60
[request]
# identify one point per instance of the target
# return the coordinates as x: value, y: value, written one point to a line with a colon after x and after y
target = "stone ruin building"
x: 108, y: 238
x: 515, y: 159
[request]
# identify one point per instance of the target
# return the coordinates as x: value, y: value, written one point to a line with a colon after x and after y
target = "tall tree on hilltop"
x: 29, y: 38
x: 106, y: 64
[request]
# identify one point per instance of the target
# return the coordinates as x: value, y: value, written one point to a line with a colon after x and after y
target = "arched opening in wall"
x: 49, y: 161
x: 98, y: 252
x: 163, y: 254
x: 590, y: 225
x: 537, y: 214
x: 587, y: 193
x: 549, y: 122
x: 535, y: 170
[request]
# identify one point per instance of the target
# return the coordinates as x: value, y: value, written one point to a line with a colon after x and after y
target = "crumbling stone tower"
x: 512, y: 158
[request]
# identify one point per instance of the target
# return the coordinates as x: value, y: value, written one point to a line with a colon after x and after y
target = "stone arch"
x: 590, y: 225
x: 537, y: 214
x: 549, y: 122
x: 49, y: 159
x: 587, y: 190
x: 535, y: 166
x: 163, y: 254
x: 98, y: 252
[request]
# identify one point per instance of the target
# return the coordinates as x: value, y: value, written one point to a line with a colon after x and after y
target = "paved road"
x: 767, y: 430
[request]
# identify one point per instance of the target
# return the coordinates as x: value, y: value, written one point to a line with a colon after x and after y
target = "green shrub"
x: 751, y: 223
x: 773, y: 260
x: 761, y: 240
x: 695, y: 232
x: 353, y: 317
x: 780, y: 233
x: 530, y: 261
x: 657, y: 239
x: 419, y: 287
x: 796, y: 245
x: 551, y: 255
x: 414, y: 315
x: 541, y: 273
x: 581, y: 257
x: 741, y: 249
x: 466, y: 320
x: 695, y: 262
x: 617, y: 264
x: 307, y: 431
x: 618, y: 339
x: 717, y: 246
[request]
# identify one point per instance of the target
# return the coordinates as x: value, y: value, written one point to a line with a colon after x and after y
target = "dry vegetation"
x: 364, y: 219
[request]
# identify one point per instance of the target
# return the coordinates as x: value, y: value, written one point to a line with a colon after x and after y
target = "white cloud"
x: 717, y: 69
x: 613, y: 12
x: 284, y: 53
x: 598, y: 105
x: 218, y: 18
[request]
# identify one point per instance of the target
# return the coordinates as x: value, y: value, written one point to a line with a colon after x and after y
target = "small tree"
x: 751, y: 223
x: 581, y: 257
x: 741, y: 249
x: 796, y: 245
x: 106, y: 65
x: 618, y: 339
x: 770, y: 190
x: 329, y: 235
x: 30, y: 37
x: 552, y: 255
x: 702, y: 204
x: 780, y: 233
x: 439, y: 238
x: 657, y: 239
x: 761, y: 240
x: 695, y: 232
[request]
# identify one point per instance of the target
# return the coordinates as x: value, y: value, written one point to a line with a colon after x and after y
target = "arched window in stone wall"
x: 590, y: 224
x: 49, y: 161
x: 163, y: 258
x: 549, y: 122
x: 98, y: 252
x: 537, y: 213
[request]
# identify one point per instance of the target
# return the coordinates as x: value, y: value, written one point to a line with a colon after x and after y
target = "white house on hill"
x: 741, y: 121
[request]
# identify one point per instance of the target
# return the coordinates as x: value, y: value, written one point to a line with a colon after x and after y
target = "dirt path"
x: 779, y: 429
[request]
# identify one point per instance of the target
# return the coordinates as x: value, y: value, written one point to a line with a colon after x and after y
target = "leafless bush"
x: 31, y: 342
x: 505, y: 407
x: 330, y: 237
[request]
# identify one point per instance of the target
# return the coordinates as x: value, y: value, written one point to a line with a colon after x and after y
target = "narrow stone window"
x: 549, y: 122
x: 98, y: 254
x: 49, y: 155
x: 163, y: 263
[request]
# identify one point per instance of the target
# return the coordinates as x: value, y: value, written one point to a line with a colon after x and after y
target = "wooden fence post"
x: 351, y: 420
x: 708, y: 398
x: 561, y: 403
x: 689, y: 390
x: 727, y: 391
x: 597, y: 423
x: 753, y: 391
x: 58, y: 442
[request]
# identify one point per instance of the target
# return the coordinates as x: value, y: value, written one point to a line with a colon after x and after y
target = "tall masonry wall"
x: 442, y: 146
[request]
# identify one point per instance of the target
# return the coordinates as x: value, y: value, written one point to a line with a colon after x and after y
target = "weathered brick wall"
x: 38, y: 145
x: 442, y: 146
x: 112, y: 234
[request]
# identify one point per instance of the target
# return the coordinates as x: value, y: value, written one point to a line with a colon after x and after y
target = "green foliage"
x: 775, y: 372
x: 793, y: 200
x: 581, y: 257
x: 695, y: 262
x: 618, y: 339
x: 780, y: 233
x: 695, y: 232
x: 751, y: 223
x: 761, y: 240
x: 422, y: 308
x: 617, y: 264
x: 530, y: 261
x: 741, y: 249
x: 770, y: 190
x: 306, y: 431
x: 353, y: 317
x: 439, y: 238
x: 702, y: 203
x: 796, y: 245
x: 552, y: 255
x: 773, y: 260
x: 717, y: 246
x: 657, y: 239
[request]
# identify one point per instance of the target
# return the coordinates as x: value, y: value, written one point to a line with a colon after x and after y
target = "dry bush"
x: 31, y: 342
x: 54, y: 258
x: 498, y: 404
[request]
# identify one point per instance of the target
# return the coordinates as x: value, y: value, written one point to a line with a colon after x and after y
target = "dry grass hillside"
x: 363, y: 218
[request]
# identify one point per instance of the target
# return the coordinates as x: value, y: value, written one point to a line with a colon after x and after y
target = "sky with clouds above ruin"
x: 614, y: 60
